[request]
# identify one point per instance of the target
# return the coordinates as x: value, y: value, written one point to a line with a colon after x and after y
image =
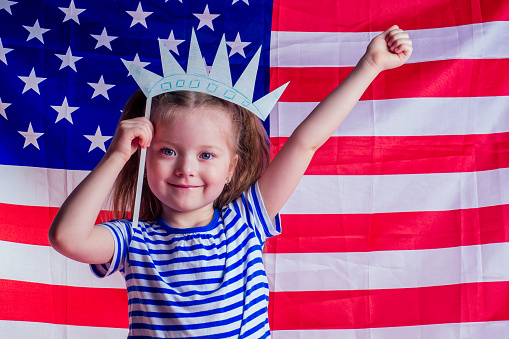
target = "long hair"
x: 249, y: 141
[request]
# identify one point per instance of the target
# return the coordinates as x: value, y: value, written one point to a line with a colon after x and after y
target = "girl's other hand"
x: 130, y: 135
x: 388, y: 50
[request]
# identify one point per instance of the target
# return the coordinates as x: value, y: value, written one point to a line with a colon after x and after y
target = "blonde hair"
x: 249, y: 141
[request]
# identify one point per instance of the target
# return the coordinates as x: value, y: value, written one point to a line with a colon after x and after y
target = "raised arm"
x: 73, y: 232
x: 388, y: 50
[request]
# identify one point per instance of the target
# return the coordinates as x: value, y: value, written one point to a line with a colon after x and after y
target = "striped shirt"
x: 201, y: 282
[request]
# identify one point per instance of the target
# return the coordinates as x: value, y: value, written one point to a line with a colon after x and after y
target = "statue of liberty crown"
x: 218, y: 83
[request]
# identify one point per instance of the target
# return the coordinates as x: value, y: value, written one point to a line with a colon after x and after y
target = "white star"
x: 206, y: 18
x: 71, y: 12
x: 64, y: 111
x: 3, y: 106
x: 139, y: 16
x: 171, y: 43
x: 30, y: 137
x: 36, y: 31
x: 237, y: 46
x: 6, y: 4
x: 68, y: 59
x: 3, y: 52
x: 104, y: 39
x: 100, y: 88
x: 98, y: 140
x: 31, y: 82
x: 246, y: 1
x: 138, y: 62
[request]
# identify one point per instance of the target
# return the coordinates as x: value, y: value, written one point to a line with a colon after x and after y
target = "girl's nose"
x: 186, y: 166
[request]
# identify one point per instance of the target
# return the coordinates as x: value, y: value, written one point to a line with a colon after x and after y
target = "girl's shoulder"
x: 250, y: 209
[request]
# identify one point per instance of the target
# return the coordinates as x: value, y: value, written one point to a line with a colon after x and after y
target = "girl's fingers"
x: 397, y: 45
x: 392, y: 39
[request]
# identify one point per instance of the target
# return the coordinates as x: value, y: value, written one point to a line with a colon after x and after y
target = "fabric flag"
x: 400, y: 227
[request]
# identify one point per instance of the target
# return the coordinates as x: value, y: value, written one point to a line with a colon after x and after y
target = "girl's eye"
x: 168, y: 151
x: 206, y: 156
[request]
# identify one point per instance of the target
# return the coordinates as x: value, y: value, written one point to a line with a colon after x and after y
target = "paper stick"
x: 141, y: 171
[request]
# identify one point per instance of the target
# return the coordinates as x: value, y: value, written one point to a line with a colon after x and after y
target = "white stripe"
x: 387, y: 269
x: 36, y: 186
x: 478, y: 330
x: 30, y: 330
x: 318, y: 194
x: 354, y: 194
x: 338, y: 49
x: 42, y: 264
x: 405, y: 117
x: 296, y: 271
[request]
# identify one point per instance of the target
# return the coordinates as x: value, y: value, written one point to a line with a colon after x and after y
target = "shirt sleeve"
x: 122, y: 233
x: 251, y: 206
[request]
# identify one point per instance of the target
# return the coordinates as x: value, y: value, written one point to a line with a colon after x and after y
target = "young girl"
x: 193, y: 267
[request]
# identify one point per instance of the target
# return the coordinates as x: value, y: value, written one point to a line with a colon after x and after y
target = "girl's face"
x: 189, y: 161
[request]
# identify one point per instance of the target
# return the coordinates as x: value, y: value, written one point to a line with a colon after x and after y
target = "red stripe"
x: 336, y: 232
x: 320, y: 233
x: 101, y: 307
x: 364, y: 16
x: 445, y: 78
x: 473, y: 302
x: 407, y: 154
x: 30, y: 224
x: 295, y: 310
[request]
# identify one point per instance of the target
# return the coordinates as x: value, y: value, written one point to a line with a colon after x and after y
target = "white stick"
x: 141, y: 171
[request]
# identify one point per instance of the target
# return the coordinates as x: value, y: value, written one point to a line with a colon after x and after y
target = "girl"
x: 193, y: 268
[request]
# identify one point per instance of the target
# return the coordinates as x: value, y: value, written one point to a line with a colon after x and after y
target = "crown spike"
x: 267, y: 103
x: 170, y: 65
x: 145, y: 79
x: 195, y: 64
x: 245, y: 84
x: 220, y: 70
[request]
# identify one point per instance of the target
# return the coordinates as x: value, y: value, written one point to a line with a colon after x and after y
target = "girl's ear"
x: 233, y: 165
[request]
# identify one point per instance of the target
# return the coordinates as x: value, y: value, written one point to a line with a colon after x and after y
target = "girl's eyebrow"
x: 205, y: 146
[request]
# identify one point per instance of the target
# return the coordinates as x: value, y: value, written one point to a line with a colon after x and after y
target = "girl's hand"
x: 388, y: 50
x: 130, y: 135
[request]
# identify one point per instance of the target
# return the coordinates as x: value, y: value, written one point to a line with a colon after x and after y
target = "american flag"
x: 400, y: 227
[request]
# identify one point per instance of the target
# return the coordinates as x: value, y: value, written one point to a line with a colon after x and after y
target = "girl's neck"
x: 197, y: 218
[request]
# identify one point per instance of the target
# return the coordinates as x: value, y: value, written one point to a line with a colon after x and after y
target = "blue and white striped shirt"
x: 202, y: 282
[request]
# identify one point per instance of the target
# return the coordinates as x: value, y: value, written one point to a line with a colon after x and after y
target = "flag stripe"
x: 336, y: 232
x: 42, y: 264
x: 348, y: 16
x: 448, y: 78
x: 67, y: 305
x: 321, y: 194
x: 340, y: 49
x: 406, y: 155
x: 390, y: 231
x: 25, y: 329
x: 387, y: 269
x: 402, y: 307
x: 296, y: 310
x: 30, y: 224
x: 491, y: 329
x: 37, y: 186
x: 297, y: 271
x: 405, y: 117
x: 358, y: 194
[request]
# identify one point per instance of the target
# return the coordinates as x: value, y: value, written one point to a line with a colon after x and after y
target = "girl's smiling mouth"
x: 184, y: 186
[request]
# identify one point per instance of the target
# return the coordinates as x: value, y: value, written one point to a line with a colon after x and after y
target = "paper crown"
x: 218, y: 83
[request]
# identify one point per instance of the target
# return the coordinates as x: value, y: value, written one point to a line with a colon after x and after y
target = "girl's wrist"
x: 368, y: 65
x: 115, y: 158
